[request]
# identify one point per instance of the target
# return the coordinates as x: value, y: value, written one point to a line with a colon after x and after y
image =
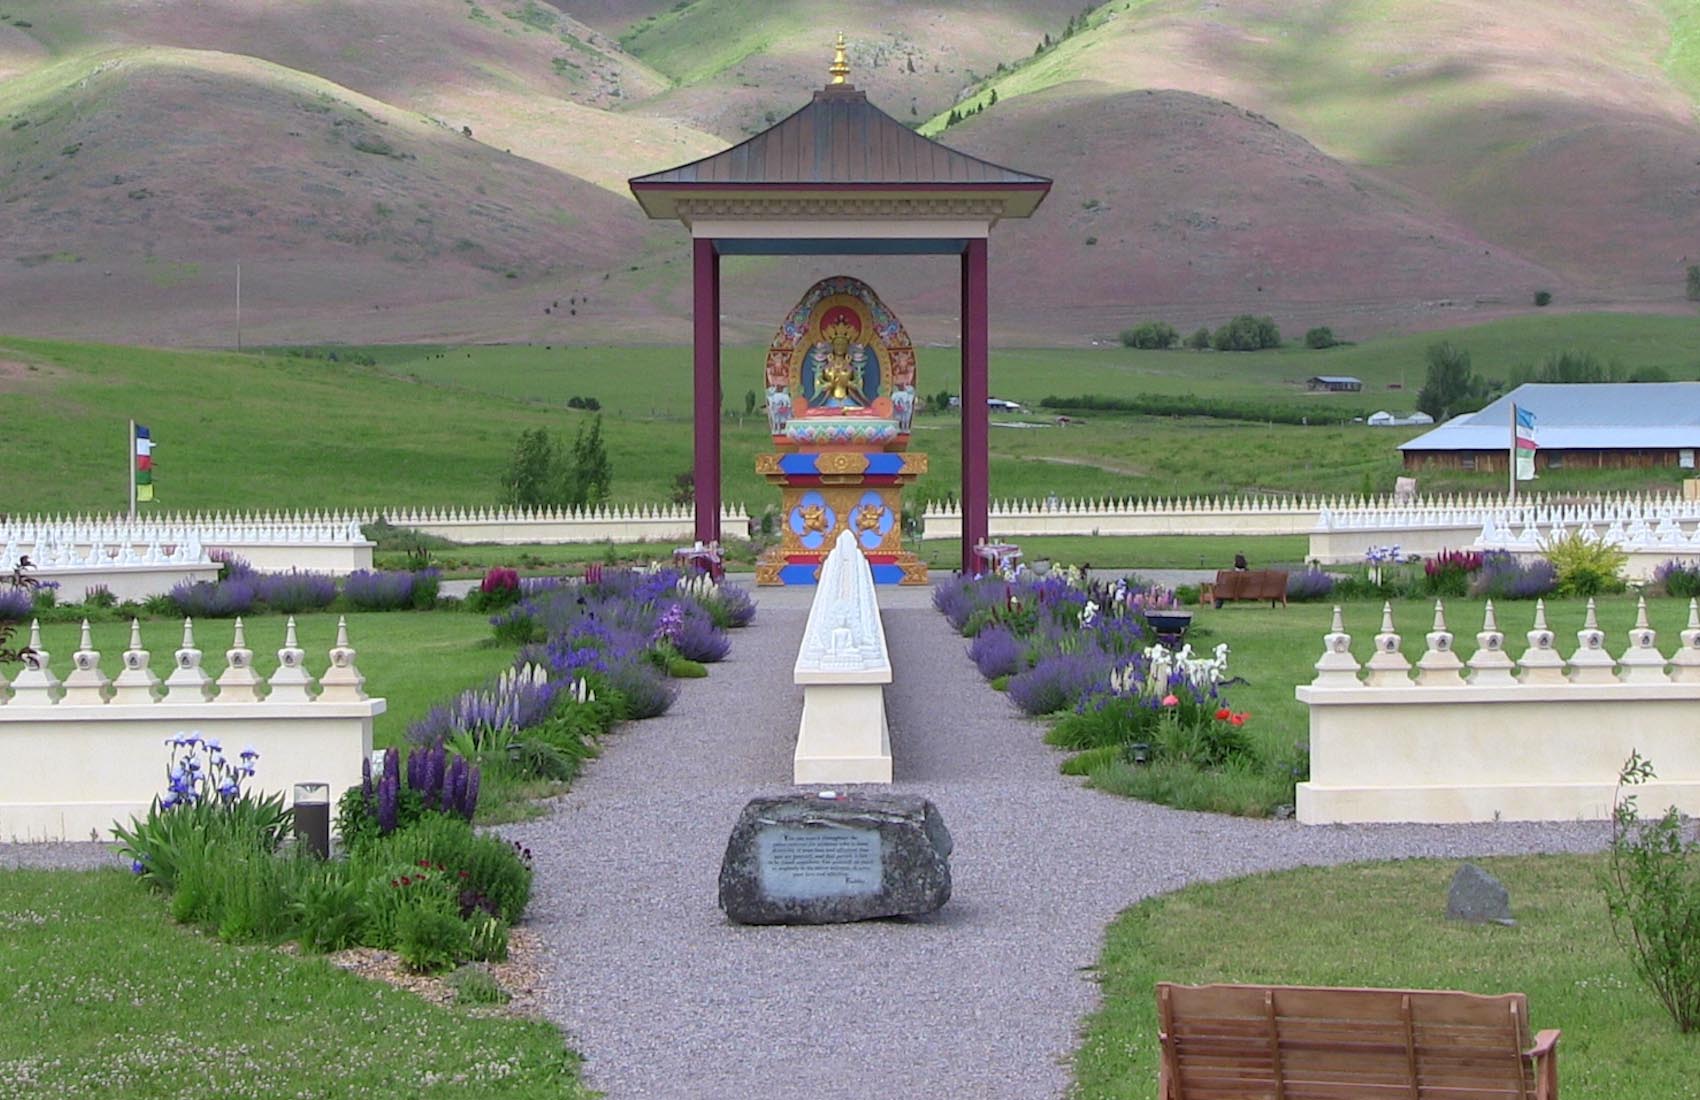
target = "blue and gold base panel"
x: 815, y: 515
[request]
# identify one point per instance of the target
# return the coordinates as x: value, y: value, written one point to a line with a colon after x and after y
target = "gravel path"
x: 666, y: 999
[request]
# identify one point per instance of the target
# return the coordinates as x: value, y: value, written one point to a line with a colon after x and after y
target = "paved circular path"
x: 666, y: 999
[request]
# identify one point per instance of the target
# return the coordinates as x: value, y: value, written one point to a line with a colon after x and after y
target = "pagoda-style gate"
x: 841, y: 177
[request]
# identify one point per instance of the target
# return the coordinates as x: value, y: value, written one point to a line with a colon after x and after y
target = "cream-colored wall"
x: 125, y: 582
x: 1542, y: 738
x: 71, y: 771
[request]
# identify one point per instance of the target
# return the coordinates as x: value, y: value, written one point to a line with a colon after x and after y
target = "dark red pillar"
x: 705, y: 281
x: 976, y: 472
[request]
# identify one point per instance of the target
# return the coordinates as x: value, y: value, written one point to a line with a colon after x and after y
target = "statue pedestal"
x: 827, y: 492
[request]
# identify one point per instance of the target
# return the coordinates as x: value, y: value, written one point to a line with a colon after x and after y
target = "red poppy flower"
x: 1223, y: 714
x: 1171, y: 701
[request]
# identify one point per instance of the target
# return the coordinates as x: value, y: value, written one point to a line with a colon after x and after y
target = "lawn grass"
x: 1383, y: 924
x: 106, y: 998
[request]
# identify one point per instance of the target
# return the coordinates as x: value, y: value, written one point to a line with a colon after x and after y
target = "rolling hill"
x: 455, y: 169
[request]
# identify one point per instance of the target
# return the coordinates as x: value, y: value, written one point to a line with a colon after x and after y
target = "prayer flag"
x: 143, y: 449
x: 1524, y: 438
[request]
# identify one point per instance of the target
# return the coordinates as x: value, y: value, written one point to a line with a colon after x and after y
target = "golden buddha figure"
x: 838, y: 364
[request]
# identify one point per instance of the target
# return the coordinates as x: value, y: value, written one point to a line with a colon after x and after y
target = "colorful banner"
x: 1524, y: 436
x: 144, y: 464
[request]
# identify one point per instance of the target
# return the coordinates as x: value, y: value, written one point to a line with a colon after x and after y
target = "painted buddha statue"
x: 836, y: 367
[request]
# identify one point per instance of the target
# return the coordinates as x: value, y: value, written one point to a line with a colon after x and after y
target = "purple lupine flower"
x: 671, y: 623
x: 388, y: 789
x: 469, y: 800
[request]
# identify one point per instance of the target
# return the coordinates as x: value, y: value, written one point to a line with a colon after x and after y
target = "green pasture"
x: 435, y: 425
x: 105, y: 997
x: 1383, y: 924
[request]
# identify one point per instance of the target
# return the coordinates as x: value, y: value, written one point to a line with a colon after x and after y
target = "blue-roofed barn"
x: 1589, y: 425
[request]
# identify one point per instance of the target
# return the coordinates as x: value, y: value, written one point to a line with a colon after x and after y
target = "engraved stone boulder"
x: 824, y: 859
x: 1477, y: 897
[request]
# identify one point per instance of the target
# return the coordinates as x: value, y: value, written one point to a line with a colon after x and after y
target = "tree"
x: 528, y: 481
x: 749, y: 402
x: 590, y: 476
x: 1694, y: 282
x: 994, y: 99
x: 1199, y: 340
x: 1450, y: 387
x: 1320, y: 337
x: 1247, y: 333
x: 1150, y: 335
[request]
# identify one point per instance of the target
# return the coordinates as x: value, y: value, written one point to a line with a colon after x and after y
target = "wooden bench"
x: 1250, y: 584
x: 1225, y: 1042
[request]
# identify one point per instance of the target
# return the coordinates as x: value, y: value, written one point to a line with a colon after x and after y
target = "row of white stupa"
x: 46, y: 553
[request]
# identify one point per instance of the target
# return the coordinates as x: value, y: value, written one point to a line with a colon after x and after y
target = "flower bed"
x: 413, y: 876
x: 1143, y: 719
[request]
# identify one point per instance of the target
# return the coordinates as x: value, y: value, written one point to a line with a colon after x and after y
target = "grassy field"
x: 105, y: 997
x: 435, y: 426
x: 1383, y: 924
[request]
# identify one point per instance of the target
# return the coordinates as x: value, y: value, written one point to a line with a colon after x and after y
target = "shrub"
x: 214, y: 599
x: 1543, y: 298
x: 15, y: 604
x: 1058, y: 682
x: 500, y: 588
x: 1247, y: 333
x: 1503, y: 577
x: 294, y: 591
x: 1310, y: 584
x: 383, y: 590
x: 1652, y: 888
x: 1200, y: 339
x: 474, y: 985
x: 1586, y: 567
x: 1677, y: 578
x: 1150, y: 335
x: 1320, y: 337
x: 431, y: 940
x: 996, y: 652
x: 326, y: 907
x: 1448, y: 573
x: 1692, y: 290
x: 645, y: 693
x: 698, y: 639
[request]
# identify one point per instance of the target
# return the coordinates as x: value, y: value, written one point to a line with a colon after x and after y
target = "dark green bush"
x: 1199, y: 340
x: 1320, y: 337
x: 1247, y: 333
x: 431, y: 940
x: 1150, y: 335
x: 1543, y: 298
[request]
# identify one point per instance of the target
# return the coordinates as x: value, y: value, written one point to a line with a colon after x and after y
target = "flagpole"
x: 1514, y: 450
x: 130, y: 448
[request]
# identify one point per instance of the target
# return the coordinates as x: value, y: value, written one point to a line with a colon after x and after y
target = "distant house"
x: 1598, y: 425
x: 1386, y: 419
x: 1334, y: 383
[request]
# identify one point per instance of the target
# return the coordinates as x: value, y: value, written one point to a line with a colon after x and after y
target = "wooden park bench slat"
x: 1250, y: 584
x: 1234, y: 1042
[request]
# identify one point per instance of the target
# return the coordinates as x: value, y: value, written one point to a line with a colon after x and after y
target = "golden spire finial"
x: 840, y: 63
